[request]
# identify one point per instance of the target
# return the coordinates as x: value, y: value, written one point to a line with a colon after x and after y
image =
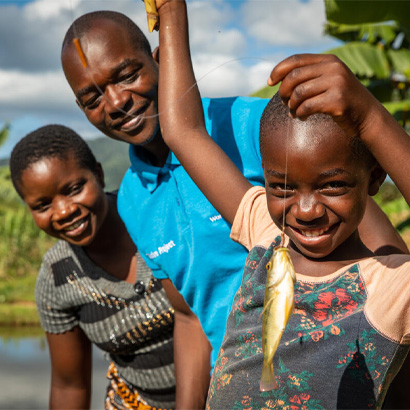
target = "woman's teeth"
x: 75, y: 225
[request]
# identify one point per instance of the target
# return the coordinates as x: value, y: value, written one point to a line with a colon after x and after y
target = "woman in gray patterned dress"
x: 93, y: 286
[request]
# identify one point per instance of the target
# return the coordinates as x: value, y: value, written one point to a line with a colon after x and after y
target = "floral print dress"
x: 330, y: 355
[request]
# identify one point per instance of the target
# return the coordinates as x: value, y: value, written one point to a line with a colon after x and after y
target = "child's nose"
x: 308, y: 208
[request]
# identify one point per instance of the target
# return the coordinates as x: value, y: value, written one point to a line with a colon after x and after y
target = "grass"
x: 19, y: 314
x: 17, y: 305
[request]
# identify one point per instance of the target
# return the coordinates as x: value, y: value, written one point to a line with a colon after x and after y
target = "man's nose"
x: 117, y: 100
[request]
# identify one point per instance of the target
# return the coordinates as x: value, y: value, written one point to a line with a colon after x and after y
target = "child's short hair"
x: 276, y: 116
x: 50, y: 141
x: 82, y: 25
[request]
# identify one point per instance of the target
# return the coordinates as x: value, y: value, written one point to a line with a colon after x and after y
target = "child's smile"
x: 321, y: 194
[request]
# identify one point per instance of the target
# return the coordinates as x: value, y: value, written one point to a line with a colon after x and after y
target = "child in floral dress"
x: 326, y: 143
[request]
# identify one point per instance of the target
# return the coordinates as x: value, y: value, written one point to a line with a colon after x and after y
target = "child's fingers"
x: 291, y: 63
x: 300, y: 84
x: 301, y: 94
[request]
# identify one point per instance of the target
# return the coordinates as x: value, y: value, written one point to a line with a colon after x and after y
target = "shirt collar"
x: 149, y: 174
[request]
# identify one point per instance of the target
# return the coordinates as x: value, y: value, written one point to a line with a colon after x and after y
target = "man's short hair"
x: 83, y: 24
x: 50, y: 141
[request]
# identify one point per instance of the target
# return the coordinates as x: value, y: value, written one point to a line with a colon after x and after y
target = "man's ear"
x: 377, y: 177
x: 100, y: 174
x: 80, y: 105
x: 155, y: 54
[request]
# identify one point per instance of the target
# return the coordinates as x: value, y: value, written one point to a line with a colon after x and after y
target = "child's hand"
x: 160, y: 3
x: 313, y: 83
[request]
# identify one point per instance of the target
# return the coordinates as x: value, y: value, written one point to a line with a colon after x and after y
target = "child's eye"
x: 279, y: 189
x: 334, y: 187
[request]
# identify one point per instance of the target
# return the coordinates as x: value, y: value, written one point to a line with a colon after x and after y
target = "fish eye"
x: 269, y: 265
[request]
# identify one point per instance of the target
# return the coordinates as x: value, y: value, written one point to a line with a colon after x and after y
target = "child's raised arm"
x: 181, y: 116
x: 322, y: 83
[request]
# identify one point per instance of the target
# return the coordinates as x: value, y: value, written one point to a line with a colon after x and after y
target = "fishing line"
x: 288, y: 131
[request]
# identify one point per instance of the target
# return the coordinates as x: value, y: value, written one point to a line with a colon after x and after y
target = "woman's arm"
x: 192, y: 353
x: 71, y: 364
x: 181, y: 116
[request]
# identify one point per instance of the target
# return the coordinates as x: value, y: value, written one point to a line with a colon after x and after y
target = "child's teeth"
x: 312, y: 233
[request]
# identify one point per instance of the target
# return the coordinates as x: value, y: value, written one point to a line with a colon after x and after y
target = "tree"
x: 377, y: 40
x: 377, y: 37
x: 4, y: 133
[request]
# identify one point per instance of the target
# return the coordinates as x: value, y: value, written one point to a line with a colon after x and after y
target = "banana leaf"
x: 372, y: 33
x: 364, y: 59
x: 367, y: 11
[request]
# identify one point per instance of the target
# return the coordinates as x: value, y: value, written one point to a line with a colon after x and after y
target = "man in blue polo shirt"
x: 181, y: 236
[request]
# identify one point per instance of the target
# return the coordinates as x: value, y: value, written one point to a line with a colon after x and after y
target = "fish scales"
x: 277, y: 310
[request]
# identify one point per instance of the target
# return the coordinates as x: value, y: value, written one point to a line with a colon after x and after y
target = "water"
x: 25, y: 371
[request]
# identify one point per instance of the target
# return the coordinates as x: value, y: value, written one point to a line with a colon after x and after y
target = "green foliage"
x: 365, y: 60
x: 114, y: 159
x: 22, y: 244
x: 367, y: 11
x: 388, y: 192
x: 4, y: 133
x: 18, y: 315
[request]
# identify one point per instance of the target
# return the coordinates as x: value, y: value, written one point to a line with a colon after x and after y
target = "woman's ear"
x: 100, y: 174
x: 155, y: 54
x: 377, y: 177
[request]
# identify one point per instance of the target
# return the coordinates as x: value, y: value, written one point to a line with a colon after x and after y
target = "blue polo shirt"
x: 178, y: 232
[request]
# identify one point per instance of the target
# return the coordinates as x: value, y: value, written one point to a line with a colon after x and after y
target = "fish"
x: 277, y: 310
x: 152, y: 15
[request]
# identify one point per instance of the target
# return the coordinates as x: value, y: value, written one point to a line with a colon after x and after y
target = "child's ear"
x: 155, y: 54
x: 100, y: 174
x: 377, y: 177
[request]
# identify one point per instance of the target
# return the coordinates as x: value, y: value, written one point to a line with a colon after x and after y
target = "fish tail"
x: 268, y: 381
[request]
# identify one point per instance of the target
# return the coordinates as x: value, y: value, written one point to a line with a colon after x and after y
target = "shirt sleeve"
x: 387, y: 282
x: 252, y: 224
x: 54, y: 316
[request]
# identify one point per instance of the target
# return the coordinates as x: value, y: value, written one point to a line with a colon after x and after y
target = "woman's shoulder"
x: 60, y: 250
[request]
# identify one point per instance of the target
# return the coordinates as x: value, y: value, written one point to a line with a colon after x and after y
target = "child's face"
x: 65, y: 200
x: 326, y: 189
x: 128, y: 77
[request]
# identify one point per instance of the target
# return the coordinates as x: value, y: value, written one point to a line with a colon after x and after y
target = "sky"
x: 234, y: 46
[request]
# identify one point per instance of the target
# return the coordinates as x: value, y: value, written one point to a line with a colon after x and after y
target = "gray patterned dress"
x: 132, y: 323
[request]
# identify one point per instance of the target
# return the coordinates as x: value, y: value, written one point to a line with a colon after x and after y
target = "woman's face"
x: 67, y: 201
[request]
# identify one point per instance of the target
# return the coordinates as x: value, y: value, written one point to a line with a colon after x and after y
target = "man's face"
x: 118, y: 90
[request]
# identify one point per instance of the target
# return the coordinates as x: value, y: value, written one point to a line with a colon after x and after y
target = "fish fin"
x: 267, y: 304
x: 268, y: 381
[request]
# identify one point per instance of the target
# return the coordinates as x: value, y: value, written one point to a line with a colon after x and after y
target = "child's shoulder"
x: 387, y: 283
x: 253, y: 224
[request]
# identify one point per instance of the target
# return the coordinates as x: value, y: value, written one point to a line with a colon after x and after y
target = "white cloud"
x: 223, y: 76
x: 34, y: 91
x: 229, y: 43
x: 285, y: 22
